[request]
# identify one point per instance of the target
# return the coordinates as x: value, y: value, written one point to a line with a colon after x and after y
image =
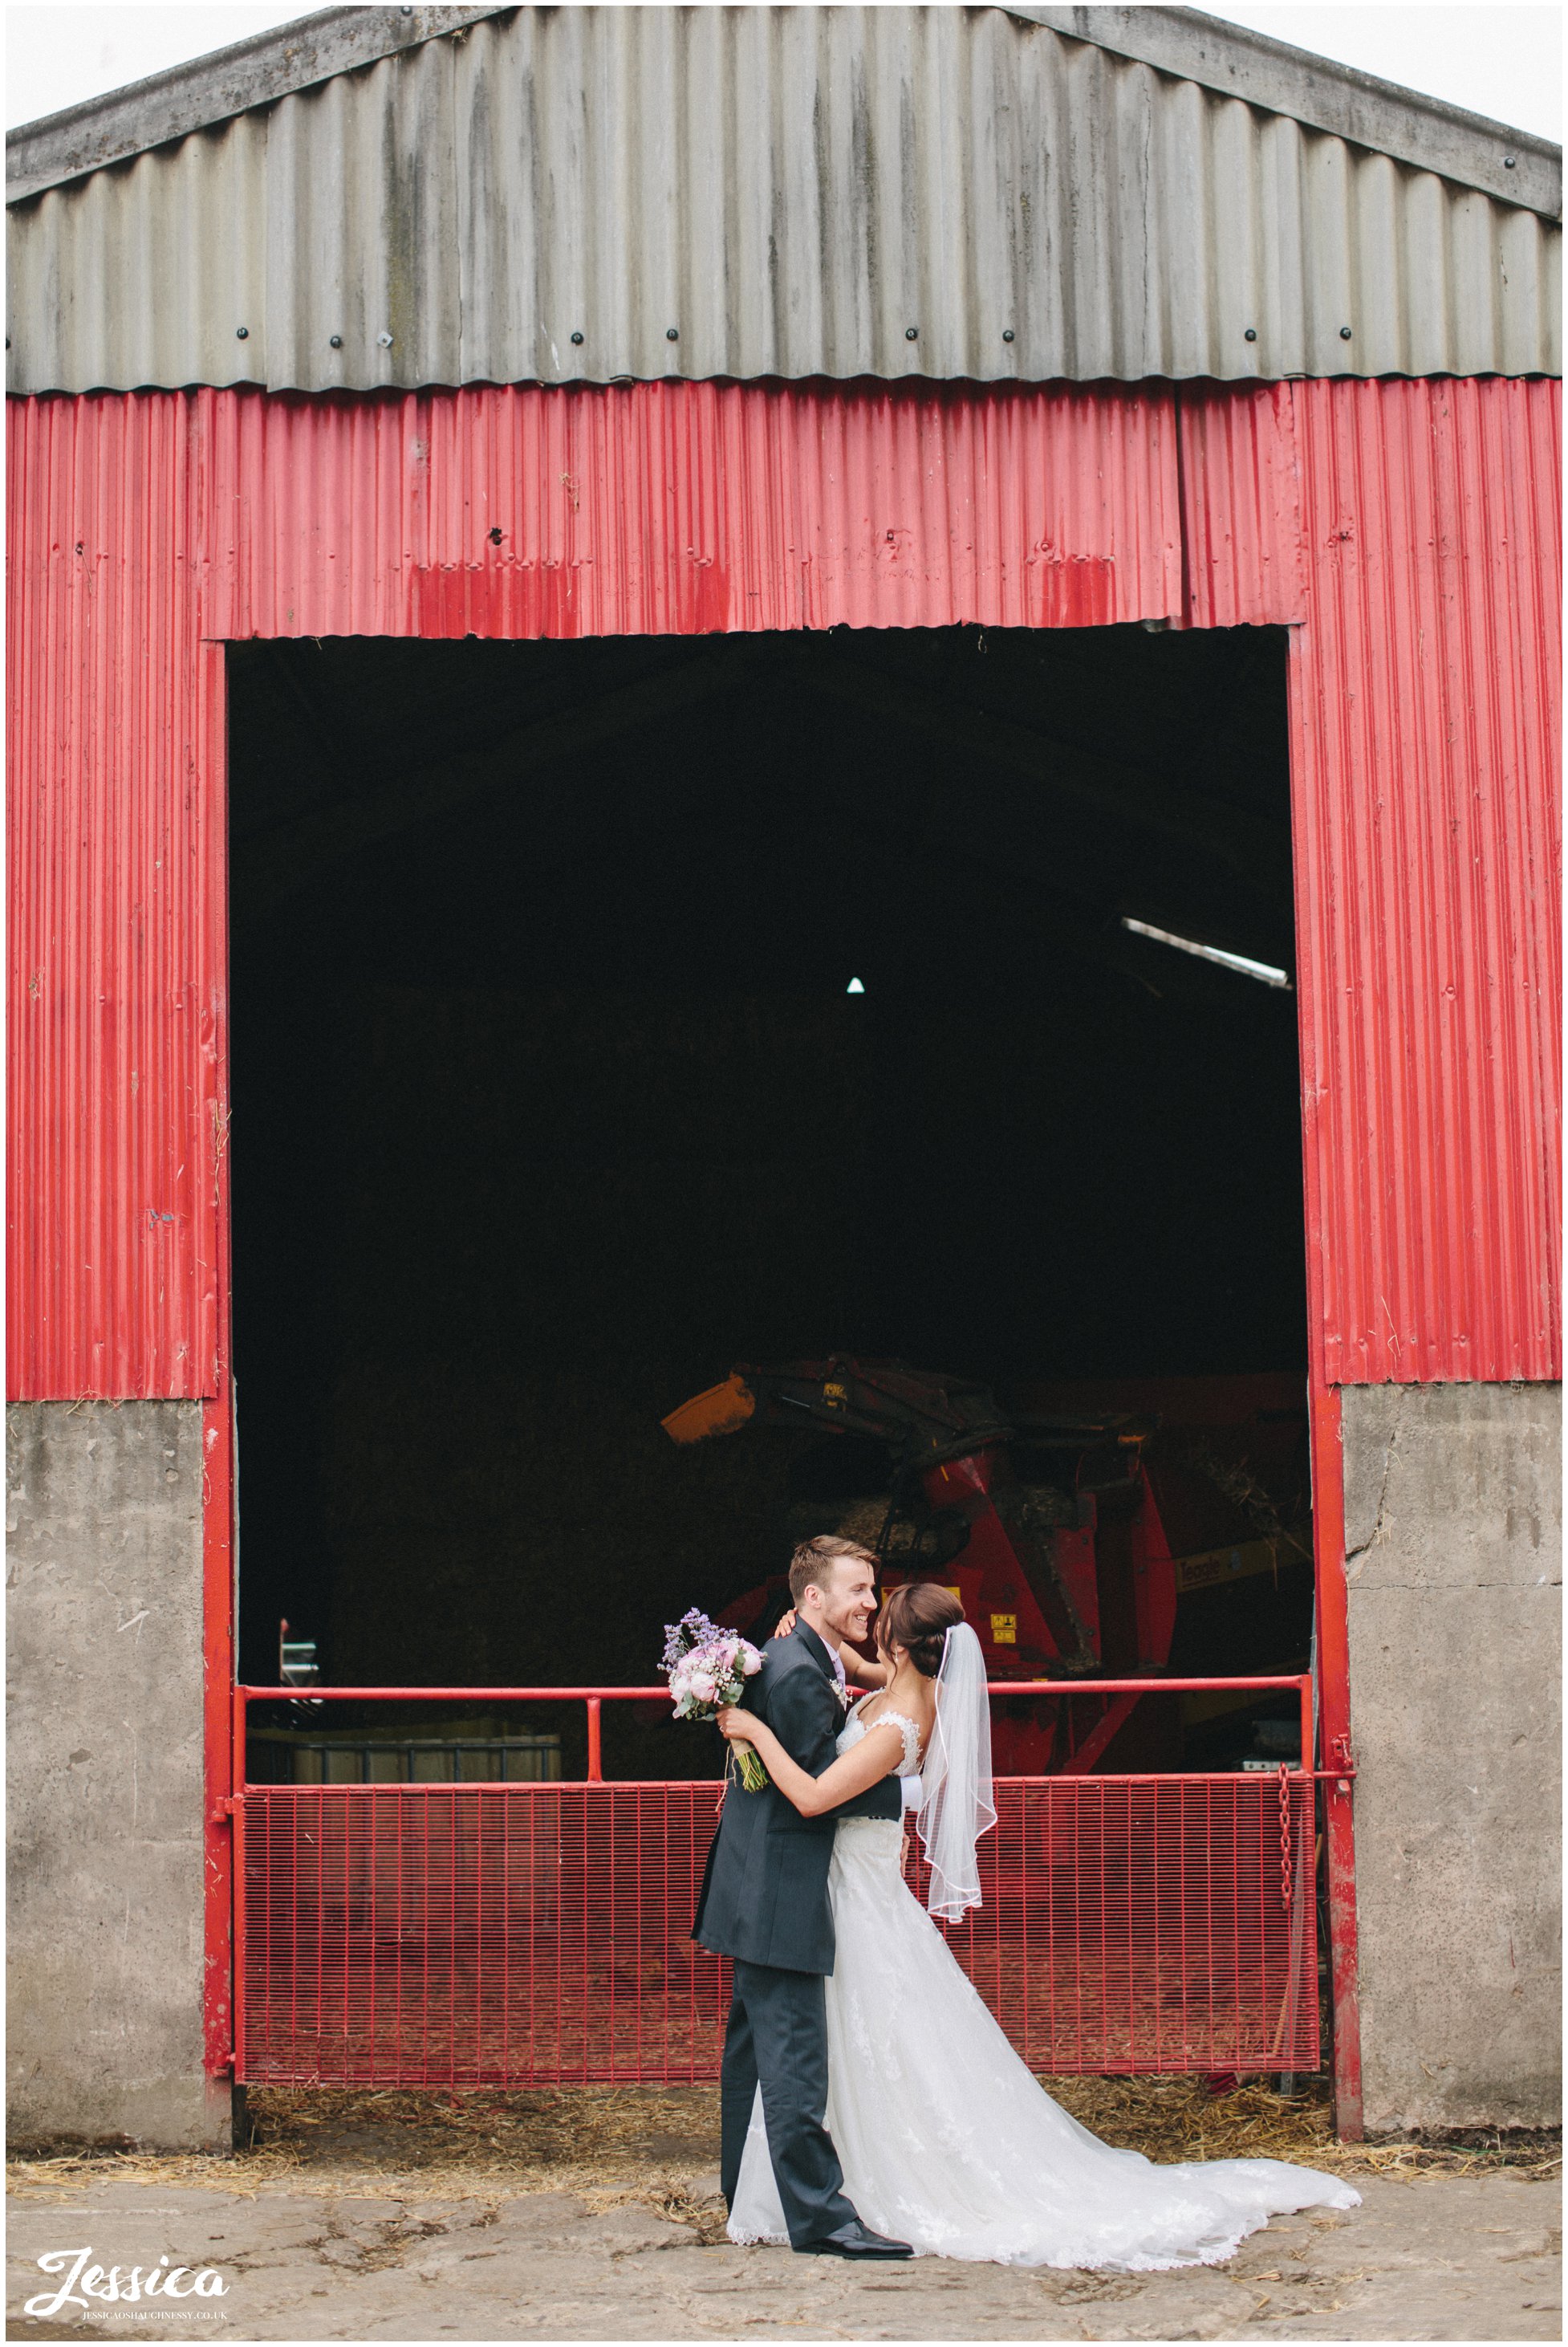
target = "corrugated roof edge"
x: 1516, y: 165
x: 211, y: 88
x: 1469, y: 148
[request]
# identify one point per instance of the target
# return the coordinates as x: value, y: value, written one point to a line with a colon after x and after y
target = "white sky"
x: 1503, y: 60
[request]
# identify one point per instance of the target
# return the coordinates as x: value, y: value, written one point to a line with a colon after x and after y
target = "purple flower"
x: 682, y: 1638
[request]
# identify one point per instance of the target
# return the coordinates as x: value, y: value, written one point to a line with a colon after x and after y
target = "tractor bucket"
x: 722, y: 1409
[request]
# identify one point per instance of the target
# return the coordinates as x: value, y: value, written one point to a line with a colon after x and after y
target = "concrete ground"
x: 1441, y: 2257
x: 595, y: 2216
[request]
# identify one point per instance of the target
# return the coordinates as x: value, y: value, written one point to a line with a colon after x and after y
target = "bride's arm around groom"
x: 765, y: 1892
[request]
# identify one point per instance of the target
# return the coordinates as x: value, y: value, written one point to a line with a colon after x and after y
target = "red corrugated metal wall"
x: 114, y: 718
x: 1244, y: 559
x: 1425, y: 749
x: 684, y: 509
x: 1411, y: 528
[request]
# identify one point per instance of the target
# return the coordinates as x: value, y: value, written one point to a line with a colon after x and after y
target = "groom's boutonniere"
x: 841, y: 1689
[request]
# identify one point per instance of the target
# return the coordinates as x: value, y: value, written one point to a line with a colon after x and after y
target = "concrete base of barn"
x: 1454, y: 1540
x: 105, y: 1776
x: 1452, y: 1529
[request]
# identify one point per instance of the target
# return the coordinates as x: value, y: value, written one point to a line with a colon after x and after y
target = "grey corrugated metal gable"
x: 587, y: 193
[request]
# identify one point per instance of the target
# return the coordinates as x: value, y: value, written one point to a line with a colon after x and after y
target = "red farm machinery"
x: 1080, y: 1542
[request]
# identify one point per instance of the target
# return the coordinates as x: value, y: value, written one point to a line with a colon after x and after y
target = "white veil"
x: 956, y: 1805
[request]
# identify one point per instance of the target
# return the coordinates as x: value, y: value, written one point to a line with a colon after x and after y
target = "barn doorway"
x: 607, y: 1013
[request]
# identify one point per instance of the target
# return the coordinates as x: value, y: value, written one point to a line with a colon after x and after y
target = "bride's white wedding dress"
x: 948, y: 2142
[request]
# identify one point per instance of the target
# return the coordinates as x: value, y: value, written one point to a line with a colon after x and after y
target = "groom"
x: 763, y: 1902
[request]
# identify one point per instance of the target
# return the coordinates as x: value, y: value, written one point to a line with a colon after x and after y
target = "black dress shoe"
x: 856, y: 2240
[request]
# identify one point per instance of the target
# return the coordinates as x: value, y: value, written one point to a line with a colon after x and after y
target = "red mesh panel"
x: 1138, y: 1923
x: 535, y: 1935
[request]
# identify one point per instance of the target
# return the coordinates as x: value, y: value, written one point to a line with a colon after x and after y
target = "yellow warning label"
x: 1004, y: 1629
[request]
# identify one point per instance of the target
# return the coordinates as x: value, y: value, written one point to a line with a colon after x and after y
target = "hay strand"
x: 659, y: 2147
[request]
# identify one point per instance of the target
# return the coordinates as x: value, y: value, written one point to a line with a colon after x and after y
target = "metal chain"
x: 1286, y: 1864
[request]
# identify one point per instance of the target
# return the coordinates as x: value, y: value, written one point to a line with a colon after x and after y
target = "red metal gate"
x: 523, y: 1935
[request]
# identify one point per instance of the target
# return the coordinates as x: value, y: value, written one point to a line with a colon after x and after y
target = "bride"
x: 946, y: 2140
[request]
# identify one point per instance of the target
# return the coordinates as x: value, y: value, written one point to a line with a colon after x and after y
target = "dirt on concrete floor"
x: 555, y: 2215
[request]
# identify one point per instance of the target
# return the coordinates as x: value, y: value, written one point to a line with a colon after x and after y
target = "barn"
x: 853, y: 706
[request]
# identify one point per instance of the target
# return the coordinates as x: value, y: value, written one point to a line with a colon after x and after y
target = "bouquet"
x: 706, y: 1667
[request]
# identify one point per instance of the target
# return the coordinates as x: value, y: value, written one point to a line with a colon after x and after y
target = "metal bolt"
x: 1007, y: 333
x: 577, y: 337
x: 1250, y: 335
x: 241, y: 333
x: 385, y: 341
x: 1508, y: 163
x: 911, y: 333
x: 672, y: 334
x: 336, y: 342
x: 1344, y: 334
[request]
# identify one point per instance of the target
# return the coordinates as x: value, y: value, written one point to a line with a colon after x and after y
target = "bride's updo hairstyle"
x: 919, y: 1617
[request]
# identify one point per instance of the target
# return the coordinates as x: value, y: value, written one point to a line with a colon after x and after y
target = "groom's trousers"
x: 777, y: 2038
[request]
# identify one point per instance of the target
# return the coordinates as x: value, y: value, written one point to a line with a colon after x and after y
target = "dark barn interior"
x: 551, y: 1102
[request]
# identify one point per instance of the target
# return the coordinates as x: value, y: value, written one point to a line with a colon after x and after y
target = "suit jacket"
x: 764, y: 1889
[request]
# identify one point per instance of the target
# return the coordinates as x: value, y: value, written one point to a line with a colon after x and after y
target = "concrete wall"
x: 1453, y: 1522
x: 103, y: 1775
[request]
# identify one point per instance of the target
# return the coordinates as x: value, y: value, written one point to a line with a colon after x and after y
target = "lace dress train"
x: 948, y: 2140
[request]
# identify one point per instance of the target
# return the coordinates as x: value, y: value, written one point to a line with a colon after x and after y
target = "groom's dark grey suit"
x: 764, y: 1903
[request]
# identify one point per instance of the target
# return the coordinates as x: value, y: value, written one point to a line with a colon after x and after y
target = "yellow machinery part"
x: 1215, y: 1566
